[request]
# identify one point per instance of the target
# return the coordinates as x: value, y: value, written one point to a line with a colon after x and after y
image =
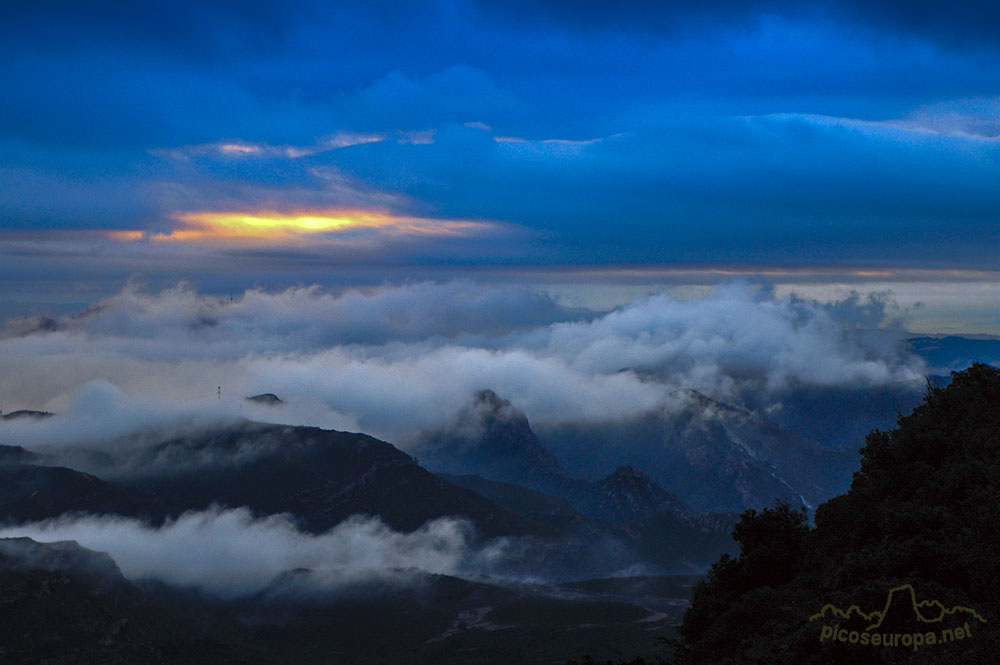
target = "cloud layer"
x: 230, y: 552
x: 396, y: 360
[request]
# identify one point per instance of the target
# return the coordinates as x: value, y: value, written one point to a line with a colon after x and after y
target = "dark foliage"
x: 922, y: 511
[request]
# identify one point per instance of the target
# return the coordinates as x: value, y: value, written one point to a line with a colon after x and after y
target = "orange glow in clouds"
x: 292, y: 227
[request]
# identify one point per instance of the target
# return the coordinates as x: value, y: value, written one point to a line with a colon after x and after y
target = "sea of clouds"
x: 396, y: 360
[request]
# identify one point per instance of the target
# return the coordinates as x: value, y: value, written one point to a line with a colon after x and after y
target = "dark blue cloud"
x: 956, y: 24
x: 194, y: 29
x: 763, y: 131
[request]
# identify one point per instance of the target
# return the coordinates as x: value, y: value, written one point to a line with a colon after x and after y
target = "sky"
x: 599, y: 151
x: 376, y: 209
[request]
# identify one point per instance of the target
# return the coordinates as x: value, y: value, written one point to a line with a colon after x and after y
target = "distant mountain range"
x: 319, y: 476
x: 322, y: 477
x: 710, y: 455
x: 491, y: 442
x: 953, y: 353
x: 603, y: 516
x: 74, y: 606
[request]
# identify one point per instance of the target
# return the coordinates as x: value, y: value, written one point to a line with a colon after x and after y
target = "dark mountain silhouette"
x: 268, y: 399
x: 628, y: 494
x: 68, y: 605
x: 714, y: 450
x: 17, y: 455
x: 27, y: 413
x: 716, y: 457
x: 493, y: 445
x: 63, y: 604
x: 658, y: 538
x: 725, y: 459
x: 555, y: 512
x: 319, y: 476
x: 31, y: 490
x: 323, y: 477
x: 578, y: 545
x: 492, y: 439
x: 954, y: 353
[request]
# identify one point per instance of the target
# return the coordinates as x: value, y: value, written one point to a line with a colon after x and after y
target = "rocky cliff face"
x: 493, y: 439
x: 628, y: 494
x: 716, y: 457
x: 63, y: 604
x: 493, y: 445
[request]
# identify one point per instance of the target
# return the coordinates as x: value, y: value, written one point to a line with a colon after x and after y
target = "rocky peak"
x: 629, y: 476
x: 269, y: 399
x: 629, y: 494
x: 493, y: 439
x: 490, y: 411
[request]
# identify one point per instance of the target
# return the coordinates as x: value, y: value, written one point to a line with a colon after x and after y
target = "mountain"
x: 628, y: 494
x: 709, y: 455
x: 555, y: 512
x: 27, y: 413
x: 492, y: 449
x: 66, y: 605
x: 31, y: 490
x: 16, y: 455
x: 323, y: 477
x: 715, y: 456
x: 726, y: 458
x: 954, y: 353
x: 580, y: 546
x: 319, y: 476
x: 493, y: 439
x: 267, y: 399
x: 662, y: 535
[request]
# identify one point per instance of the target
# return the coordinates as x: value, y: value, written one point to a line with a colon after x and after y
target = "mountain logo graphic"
x: 901, y: 604
x: 926, y: 611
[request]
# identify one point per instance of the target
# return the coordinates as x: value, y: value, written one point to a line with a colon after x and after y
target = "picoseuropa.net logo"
x: 929, y: 622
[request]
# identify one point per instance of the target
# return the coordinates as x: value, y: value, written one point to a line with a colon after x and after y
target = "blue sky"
x: 480, y: 135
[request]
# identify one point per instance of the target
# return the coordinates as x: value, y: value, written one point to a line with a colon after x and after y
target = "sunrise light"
x: 266, y: 227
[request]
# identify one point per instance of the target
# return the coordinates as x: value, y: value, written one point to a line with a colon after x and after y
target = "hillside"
x: 66, y: 605
x: 716, y: 457
x: 319, y: 476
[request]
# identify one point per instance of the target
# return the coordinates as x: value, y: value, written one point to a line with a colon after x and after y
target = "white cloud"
x: 393, y: 360
x: 231, y: 552
x: 248, y: 150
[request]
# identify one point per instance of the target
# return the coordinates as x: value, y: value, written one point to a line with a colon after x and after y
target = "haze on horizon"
x: 597, y: 153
